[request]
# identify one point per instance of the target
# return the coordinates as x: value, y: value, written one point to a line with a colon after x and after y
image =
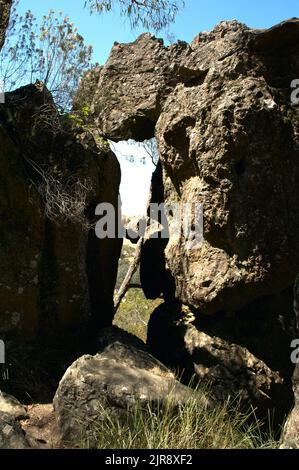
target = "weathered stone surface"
x: 12, y: 435
x: 5, y: 6
x: 229, y: 144
x: 225, y: 354
x: 227, y: 139
x: 55, y: 273
x: 133, y: 84
x: 12, y: 406
x: 115, y: 380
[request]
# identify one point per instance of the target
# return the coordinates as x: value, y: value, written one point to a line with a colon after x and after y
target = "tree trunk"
x: 130, y: 273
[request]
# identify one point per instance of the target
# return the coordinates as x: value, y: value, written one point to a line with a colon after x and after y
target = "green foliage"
x: 53, y: 52
x: 102, y: 143
x: 155, y: 14
x: 134, y: 313
x: 80, y: 117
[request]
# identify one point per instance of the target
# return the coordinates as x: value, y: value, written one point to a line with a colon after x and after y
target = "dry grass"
x: 190, y: 426
x: 187, y: 427
x: 64, y: 197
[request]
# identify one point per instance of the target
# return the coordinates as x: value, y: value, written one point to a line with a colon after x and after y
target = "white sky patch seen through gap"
x: 135, y: 176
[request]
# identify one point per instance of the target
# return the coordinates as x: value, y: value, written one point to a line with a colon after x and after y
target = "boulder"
x: 56, y: 274
x: 114, y: 381
x: 10, y: 405
x: 12, y: 435
x: 216, y: 355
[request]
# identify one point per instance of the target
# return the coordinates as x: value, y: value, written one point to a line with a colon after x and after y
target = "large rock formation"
x: 12, y: 435
x: 114, y: 383
x: 227, y: 134
x: 55, y: 273
x: 5, y: 6
x: 233, y: 357
x: 133, y: 85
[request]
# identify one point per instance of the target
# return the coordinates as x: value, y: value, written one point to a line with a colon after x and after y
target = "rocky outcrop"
x: 226, y: 355
x: 114, y: 382
x: 23, y: 427
x: 227, y: 135
x: 12, y: 406
x: 12, y: 435
x: 226, y: 138
x: 56, y: 274
x: 5, y: 6
x: 133, y: 85
x: 230, y: 144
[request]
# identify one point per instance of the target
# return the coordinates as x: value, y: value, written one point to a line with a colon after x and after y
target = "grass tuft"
x: 188, y: 426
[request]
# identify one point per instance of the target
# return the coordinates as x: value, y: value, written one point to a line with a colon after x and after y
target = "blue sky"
x: 198, y: 15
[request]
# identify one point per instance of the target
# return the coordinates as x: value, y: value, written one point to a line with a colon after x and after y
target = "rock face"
x: 227, y: 135
x: 227, y: 357
x: 111, y: 382
x: 10, y: 405
x: 5, y: 6
x: 12, y: 435
x: 55, y: 275
x: 24, y: 427
x: 229, y: 144
x: 133, y: 85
